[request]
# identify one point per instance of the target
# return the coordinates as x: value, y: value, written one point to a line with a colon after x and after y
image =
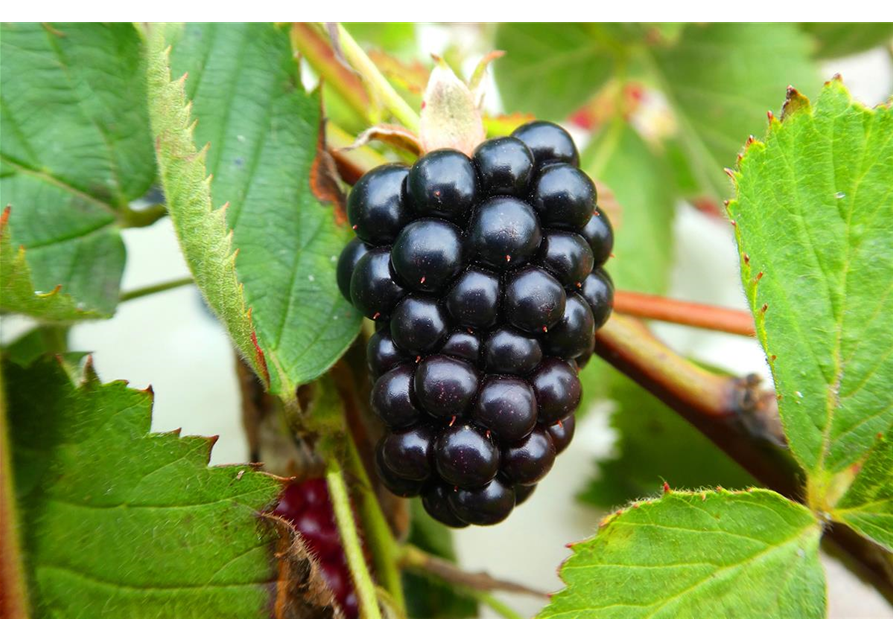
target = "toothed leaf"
x: 814, y: 216
x: 76, y: 150
x: 18, y: 293
x: 715, y: 554
x: 720, y: 79
x: 120, y: 522
x: 867, y: 506
x: 202, y: 230
x: 284, y: 209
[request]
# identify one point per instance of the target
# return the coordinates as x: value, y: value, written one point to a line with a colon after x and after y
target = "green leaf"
x: 396, y: 38
x: 867, y: 506
x: 264, y: 130
x: 655, y: 445
x: 713, y: 554
x: 663, y: 32
x: 76, y: 150
x: 121, y: 522
x: 813, y: 219
x: 551, y: 69
x: 639, y: 178
x: 720, y: 80
x: 839, y: 39
x: 19, y: 294
x: 426, y: 596
x: 203, y: 232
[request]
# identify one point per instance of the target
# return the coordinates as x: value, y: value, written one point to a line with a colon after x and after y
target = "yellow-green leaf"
x: 711, y: 554
x: 814, y: 223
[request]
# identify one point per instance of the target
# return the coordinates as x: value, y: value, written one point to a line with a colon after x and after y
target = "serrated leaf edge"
x: 18, y: 266
x: 165, y: 93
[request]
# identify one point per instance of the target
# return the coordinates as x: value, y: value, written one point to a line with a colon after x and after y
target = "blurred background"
x: 171, y: 341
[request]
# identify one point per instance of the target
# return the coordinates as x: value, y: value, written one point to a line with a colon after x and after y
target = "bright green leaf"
x: 839, y: 39
x: 18, y: 293
x: 121, y: 522
x: 76, y: 150
x: 713, y: 554
x: 814, y: 222
x: 720, y: 80
x: 655, y: 445
x: 203, y: 233
x: 263, y: 130
x: 395, y: 38
x: 867, y: 506
x: 639, y: 179
x: 550, y: 69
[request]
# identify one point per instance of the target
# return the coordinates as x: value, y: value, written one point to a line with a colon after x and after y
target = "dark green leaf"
x: 839, y: 39
x: 720, y: 80
x: 550, y: 69
x: 76, y: 150
x: 263, y: 130
x: 655, y: 445
x: 428, y: 597
x: 121, y: 522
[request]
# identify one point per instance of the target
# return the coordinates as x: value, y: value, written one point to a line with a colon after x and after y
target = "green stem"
x: 55, y: 338
x: 377, y: 85
x: 385, y: 552
x: 350, y: 539
x: 494, y: 603
x: 155, y: 288
x: 143, y: 217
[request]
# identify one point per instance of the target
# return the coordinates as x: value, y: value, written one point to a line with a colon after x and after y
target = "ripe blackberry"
x: 427, y: 254
x: 306, y: 505
x: 376, y: 208
x: 484, y: 277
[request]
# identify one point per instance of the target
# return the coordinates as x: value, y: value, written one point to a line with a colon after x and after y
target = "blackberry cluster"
x: 485, y: 279
x: 307, y: 506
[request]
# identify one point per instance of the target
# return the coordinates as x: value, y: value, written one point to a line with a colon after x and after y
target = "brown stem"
x: 416, y: 559
x: 739, y: 418
x: 13, y: 586
x: 692, y: 314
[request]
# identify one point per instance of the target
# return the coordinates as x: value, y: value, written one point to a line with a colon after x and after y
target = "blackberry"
x: 485, y: 279
x: 507, y: 350
x: 465, y: 456
x: 376, y: 208
x: 408, y: 454
x: 473, y: 301
x: 548, y: 142
x: 427, y: 254
x: 528, y: 461
x: 307, y: 506
x: 445, y: 386
x: 507, y: 407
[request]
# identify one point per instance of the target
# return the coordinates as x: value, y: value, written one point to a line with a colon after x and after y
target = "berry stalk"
x: 376, y: 84
x: 692, y: 314
x: 350, y: 539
